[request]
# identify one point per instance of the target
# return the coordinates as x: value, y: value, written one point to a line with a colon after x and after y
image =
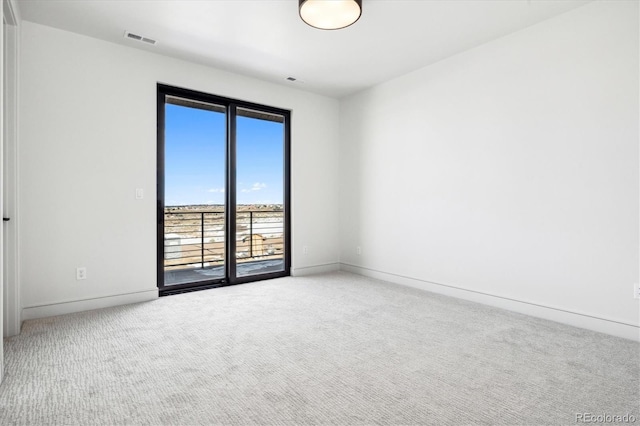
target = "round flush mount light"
x: 330, y: 14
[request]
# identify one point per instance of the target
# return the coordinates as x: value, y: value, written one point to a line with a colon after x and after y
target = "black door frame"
x: 231, y: 106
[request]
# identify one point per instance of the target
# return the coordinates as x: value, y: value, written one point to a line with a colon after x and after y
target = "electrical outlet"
x: 636, y: 291
x: 305, y: 250
x: 358, y: 250
x: 81, y: 273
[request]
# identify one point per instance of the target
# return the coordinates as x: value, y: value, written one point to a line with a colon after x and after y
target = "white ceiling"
x: 267, y: 39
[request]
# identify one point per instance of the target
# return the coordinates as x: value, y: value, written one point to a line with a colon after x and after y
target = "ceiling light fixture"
x: 330, y: 14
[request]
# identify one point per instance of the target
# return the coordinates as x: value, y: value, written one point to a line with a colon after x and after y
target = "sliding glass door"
x: 223, y: 170
x: 194, y: 182
x: 259, y: 192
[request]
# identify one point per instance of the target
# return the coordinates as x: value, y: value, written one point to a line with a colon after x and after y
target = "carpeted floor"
x: 329, y: 349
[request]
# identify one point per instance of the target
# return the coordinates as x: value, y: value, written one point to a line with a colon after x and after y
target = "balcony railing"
x: 197, y: 239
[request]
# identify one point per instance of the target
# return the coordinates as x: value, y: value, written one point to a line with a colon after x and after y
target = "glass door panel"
x: 260, y: 193
x: 194, y: 191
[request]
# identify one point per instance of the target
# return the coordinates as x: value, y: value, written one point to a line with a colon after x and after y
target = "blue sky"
x: 195, y: 158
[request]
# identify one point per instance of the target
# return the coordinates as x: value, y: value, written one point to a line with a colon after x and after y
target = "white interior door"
x: 4, y: 25
x: 9, y: 304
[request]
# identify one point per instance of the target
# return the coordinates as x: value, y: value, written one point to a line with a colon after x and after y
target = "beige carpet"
x: 329, y: 349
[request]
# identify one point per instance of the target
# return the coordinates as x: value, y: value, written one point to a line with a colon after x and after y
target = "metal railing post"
x: 202, y: 240
x: 251, y: 235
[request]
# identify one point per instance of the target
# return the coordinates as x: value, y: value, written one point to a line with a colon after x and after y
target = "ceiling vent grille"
x: 139, y: 38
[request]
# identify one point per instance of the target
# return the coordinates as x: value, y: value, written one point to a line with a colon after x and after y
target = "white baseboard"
x: 317, y: 269
x: 43, y: 311
x: 602, y: 325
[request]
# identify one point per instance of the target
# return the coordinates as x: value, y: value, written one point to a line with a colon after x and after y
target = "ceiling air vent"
x: 139, y: 38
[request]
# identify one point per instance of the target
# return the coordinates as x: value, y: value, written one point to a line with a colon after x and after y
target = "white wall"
x: 509, y: 170
x: 88, y: 139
